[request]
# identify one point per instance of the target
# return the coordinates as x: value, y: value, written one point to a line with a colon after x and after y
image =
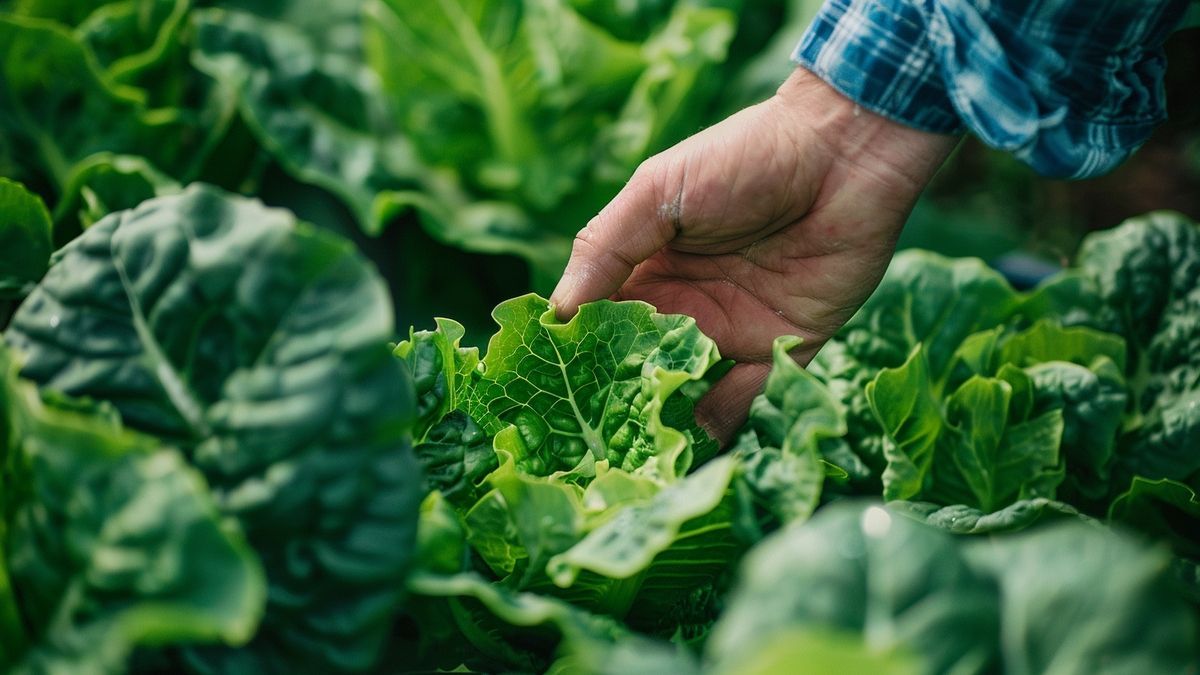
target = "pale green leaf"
x: 592, y: 388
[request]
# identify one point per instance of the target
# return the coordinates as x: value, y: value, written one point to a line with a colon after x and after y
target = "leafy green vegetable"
x: 57, y: 109
x: 1165, y: 508
x: 590, y: 434
x: 1022, y: 604
x: 440, y: 369
x: 997, y: 397
x: 494, y: 612
x: 318, y: 113
x: 456, y: 457
x: 572, y: 516
x: 1057, y: 617
x: 923, y: 299
x: 1092, y: 401
x: 569, y: 513
x: 781, y: 451
x: 531, y: 116
x: 962, y: 519
x: 258, y: 346
x: 104, y: 183
x: 630, y: 540
x: 590, y: 389
x: 900, y: 585
x: 139, y: 44
x: 108, y: 542
x: 1148, y: 277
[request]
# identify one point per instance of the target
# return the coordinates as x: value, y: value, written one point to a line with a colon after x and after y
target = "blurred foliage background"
x: 462, y: 143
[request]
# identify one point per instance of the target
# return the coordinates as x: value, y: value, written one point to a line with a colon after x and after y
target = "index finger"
x: 637, y: 223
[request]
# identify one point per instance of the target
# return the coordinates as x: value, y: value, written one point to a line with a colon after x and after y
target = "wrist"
x: 903, y: 158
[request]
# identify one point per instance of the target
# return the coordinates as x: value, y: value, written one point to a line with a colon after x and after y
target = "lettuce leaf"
x: 440, y: 370
x: 318, y: 112
x: 531, y: 117
x: 582, y: 491
x: 783, y: 461
x: 57, y: 108
x: 591, y: 389
x: 924, y: 298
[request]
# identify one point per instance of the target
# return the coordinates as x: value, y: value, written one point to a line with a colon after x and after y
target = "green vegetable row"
x: 212, y: 461
x: 968, y: 407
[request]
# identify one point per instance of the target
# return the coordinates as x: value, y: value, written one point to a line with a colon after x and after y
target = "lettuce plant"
x: 257, y: 346
x: 923, y: 602
x: 559, y: 459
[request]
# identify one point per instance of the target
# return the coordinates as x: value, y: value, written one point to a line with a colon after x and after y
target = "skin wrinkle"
x: 591, y: 269
x: 677, y: 206
x: 783, y: 217
x: 813, y: 339
x: 798, y: 327
x: 796, y: 179
x: 830, y: 316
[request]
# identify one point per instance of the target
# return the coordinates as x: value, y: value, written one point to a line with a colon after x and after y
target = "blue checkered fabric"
x: 1071, y: 87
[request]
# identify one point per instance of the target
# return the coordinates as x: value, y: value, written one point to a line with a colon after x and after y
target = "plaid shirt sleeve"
x: 1071, y: 87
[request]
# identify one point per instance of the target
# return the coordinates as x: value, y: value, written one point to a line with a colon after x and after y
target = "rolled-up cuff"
x: 879, y: 55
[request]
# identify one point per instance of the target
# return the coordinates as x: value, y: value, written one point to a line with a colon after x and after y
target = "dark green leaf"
x: 456, y: 457
x: 25, y: 243
x: 440, y: 369
x: 104, y: 183
x: 782, y: 462
x: 1093, y: 402
x: 317, y: 113
x: 56, y: 108
x: 108, y: 543
x: 901, y: 585
x: 962, y: 519
x: 498, y: 621
x: 1147, y: 272
x: 904, y: 404
x: 258, y: 345
x: 1082, y: 599
x: 1163, y: 508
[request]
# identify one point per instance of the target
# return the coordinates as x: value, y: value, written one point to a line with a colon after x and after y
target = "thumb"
x: 724, y: 409
x: 632, y: 227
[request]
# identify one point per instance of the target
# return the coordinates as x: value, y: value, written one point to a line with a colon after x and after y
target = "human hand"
x: 779, y: 220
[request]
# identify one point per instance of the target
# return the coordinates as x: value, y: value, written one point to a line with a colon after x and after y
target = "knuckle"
x: 649, y: 173
x: 586, y: 239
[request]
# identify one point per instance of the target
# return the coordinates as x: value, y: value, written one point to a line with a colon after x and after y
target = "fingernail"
x: 561, y: 292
